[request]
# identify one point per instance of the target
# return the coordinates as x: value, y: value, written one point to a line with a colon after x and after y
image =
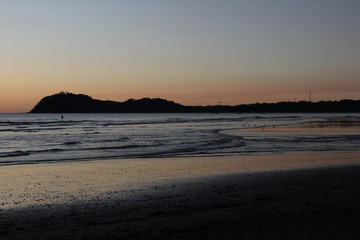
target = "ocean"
x: 45, y: 138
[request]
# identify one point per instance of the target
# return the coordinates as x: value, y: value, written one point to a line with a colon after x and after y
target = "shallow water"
x: 35, y: 138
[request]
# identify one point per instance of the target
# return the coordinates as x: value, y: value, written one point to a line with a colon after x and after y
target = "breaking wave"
x: 32, y: 138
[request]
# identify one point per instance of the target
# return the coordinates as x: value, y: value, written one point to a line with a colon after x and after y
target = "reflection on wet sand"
x: 333, y: 126
x: 185, y: 198
x: 337, y: 126
x: 44, y: 184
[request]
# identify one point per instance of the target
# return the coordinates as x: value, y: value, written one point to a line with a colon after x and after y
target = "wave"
x: 19, y: 153
x: 307, y: 139
x: 14, y: 154
x: 71, y: 143
x: 122, y: 122
x: 47, y: 138
x: 116, y: 147
x: 39, y: 123
x: 121, y: 139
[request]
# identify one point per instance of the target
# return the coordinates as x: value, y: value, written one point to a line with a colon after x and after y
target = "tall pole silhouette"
x: 309, y: 96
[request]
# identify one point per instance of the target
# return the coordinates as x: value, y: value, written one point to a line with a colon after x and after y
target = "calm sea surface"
x: 35, y: 138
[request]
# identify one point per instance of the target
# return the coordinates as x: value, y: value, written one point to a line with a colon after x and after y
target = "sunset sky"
x: 195, y: 52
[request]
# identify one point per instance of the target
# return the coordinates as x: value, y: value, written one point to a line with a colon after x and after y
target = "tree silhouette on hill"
x: 65, y: 102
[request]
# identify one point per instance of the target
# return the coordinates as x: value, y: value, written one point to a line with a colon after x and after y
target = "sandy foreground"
x: 307, y: 196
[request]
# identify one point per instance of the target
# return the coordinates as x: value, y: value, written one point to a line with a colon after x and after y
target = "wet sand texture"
x: 36, y: 185
x: 322, y: 203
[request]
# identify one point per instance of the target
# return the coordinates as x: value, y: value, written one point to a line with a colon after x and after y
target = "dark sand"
x: 317, y: 203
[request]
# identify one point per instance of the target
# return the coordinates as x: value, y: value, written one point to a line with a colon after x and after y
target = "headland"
x: 65, y: 102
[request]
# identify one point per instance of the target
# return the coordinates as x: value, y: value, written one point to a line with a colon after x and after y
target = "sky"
x: 194, y: 52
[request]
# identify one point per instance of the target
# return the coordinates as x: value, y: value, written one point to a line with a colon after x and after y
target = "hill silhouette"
x: 65, y: 102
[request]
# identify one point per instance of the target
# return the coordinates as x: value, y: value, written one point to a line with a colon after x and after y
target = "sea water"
x: 36, y: 138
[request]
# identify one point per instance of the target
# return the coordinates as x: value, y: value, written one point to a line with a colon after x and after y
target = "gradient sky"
x: 195, y: 52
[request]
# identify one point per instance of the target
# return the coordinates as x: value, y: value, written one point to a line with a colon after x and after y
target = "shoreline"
x: 303, y: 202
x: 291, y: 204
x: 35, y: 185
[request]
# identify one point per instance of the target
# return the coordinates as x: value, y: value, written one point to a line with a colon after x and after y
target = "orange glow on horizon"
x: 20, y: 97
x: 233, y: 52
x: 24, y: 102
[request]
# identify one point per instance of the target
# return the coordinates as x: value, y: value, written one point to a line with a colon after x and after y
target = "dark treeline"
x: 65, y: 102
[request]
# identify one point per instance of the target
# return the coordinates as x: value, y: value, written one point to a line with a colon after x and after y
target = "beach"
x: 172, y: 120
x: 176, y: 176
x: 235, y: 197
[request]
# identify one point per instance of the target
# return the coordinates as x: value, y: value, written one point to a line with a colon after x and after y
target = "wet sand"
x: 309, y: 196
x: 343, y: 126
